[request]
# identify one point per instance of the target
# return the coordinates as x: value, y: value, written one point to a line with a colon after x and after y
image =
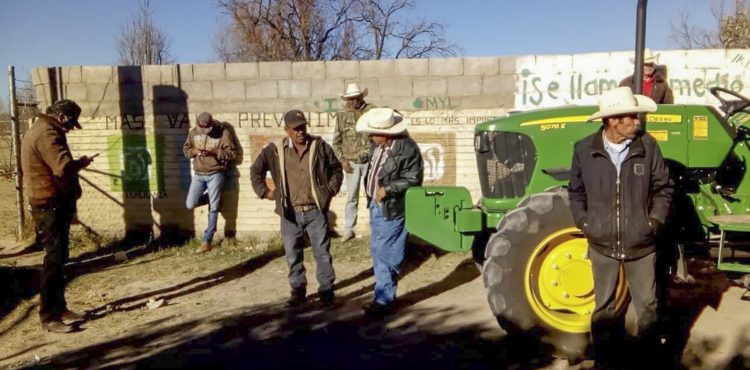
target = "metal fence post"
x: 16, y: 133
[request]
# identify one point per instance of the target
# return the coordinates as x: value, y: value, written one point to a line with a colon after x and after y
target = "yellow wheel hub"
x: 559, y: 282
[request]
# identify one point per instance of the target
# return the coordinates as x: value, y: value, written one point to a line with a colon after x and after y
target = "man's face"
x: 626, y: 126
x: 355, y: 102
x: 379, y: 139
x: 648, y: 69
x: 297, y: 134
x: 66, y: 121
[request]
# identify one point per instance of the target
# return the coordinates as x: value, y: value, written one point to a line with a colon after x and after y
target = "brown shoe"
x: 204, y: 247
x: 71, y: 317
x: 56, y: 326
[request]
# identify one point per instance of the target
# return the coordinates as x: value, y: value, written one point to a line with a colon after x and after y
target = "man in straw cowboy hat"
x: 352, y: 149
x: 620, y: 195
x: 654, y: 85
x: 396, y: 165
x: 307, y: 176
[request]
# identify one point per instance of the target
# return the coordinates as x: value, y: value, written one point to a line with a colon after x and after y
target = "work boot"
x: 298, y: 298
x: 204, y: 247
x: 348, y: 235
x: 56, y: 326
x: 71, y: 317
x: 375, y: 309
x: 327, y: 298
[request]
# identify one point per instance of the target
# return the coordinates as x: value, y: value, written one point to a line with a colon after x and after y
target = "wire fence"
x: 26, y: 110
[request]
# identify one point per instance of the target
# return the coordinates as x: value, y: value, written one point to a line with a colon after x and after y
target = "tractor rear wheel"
x: 538, y: 276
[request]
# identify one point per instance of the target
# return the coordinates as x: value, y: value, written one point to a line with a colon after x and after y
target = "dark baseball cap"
x: 294, y: 118
x: 68, y: 108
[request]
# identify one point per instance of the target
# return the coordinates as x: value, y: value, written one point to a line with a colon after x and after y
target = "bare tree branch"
x: 732, y: 28
x: 141, y: 42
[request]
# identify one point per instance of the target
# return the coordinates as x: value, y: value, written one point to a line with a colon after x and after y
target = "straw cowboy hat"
x: 621, y: 101
x: 353, y: 90
x: 383, y: 121
x: 648, y: 57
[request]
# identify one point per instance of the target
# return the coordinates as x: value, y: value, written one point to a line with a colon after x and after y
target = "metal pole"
x: 16, y: 149
x: 640, y: 41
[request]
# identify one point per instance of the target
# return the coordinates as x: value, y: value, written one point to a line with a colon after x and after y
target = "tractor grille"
x: 506, y: 161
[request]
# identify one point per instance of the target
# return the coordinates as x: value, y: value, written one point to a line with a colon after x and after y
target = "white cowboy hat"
x: 648, y: 57
x: 353, y: 90
x: 383, y: 121
x: 621, y: 101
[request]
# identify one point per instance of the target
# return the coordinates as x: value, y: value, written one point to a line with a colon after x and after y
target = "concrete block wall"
x: 137, y: 118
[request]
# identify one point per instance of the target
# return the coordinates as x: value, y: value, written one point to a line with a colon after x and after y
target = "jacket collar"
x: 597, y: 145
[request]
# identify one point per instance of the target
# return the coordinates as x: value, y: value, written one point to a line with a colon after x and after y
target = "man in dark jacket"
x: 654, y: 85
x: 52, y: 188
x: 620, y: 195
x: 211, y: 147
x: 395, y: 165
x: 307, y: 175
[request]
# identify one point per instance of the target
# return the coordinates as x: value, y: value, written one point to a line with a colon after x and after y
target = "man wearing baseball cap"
x: 620, y: 195
x: 306, y: 176
x: 52, y: 188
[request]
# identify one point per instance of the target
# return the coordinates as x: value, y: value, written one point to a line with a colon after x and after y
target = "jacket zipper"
x: 618, y: 250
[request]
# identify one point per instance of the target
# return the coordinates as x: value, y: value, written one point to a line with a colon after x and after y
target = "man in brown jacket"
x: 52, y: 188
x: 211, y: 147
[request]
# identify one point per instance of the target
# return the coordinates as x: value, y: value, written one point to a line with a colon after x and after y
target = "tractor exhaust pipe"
x: 640, y: 40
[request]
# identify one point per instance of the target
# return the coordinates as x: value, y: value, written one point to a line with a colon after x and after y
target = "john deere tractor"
x: 521, y: 232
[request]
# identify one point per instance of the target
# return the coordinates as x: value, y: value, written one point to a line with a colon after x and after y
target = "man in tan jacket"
x: 52, y: 188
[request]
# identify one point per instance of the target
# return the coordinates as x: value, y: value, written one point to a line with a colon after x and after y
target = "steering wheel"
x: 730, y: 107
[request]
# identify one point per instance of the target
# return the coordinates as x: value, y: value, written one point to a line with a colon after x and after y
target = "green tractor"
x: 521, y: 232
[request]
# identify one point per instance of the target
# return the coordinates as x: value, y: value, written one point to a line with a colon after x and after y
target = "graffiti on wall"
x: 136, y: 166
x: 434, y: 103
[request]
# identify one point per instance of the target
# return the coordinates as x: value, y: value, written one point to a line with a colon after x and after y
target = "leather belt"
x: 305, y: 208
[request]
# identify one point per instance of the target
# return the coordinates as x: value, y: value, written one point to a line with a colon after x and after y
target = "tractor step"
x: 733, y: 223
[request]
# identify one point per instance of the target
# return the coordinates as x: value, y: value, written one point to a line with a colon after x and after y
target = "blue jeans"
x: 353, y: 183
x: 387, y: 246
x: 206, y: 189
x: 315, y: 223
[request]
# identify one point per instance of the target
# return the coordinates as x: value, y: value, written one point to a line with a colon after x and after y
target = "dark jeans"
x: 608, y: 323
x: 52, y: 226
x: 315, y: 224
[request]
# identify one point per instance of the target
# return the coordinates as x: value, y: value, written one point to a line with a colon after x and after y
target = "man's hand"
x: 379, y: 194
x: 85, y: 161
x: 271, y: 194
x: 196, y: 152
x: 347, y: 166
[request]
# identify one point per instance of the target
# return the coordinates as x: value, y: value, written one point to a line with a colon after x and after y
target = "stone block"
x: 159, y: 74
x: 71, y: 74
x: 697, y: 58
x: 446, y: 66
x: 42, y: 95
x: 592, y: 63
x: 198, y: 90
x: 342, y: 69
x: 184, y: 72
x: 275, y: 70
x: 411, y: 67
x: 96, y: 92
x: 499, y: 84
x: 75, y: 92
x: 242, y: 71
x: 261, y: 89
x: 395, y: 87
x: 677, y: 59
x: 481, y: 66
x: 98, y: 74
x: 208, y: 72
x: 464, y: 85
x: 328, y: 88
x: 294, y: 89
x: 508, y: 65
x: 376, y: 68
x: 308, y: 70
x: 429, y: 87
x: 39, y: 75
x: 554, y: 64
x: 228, y: 90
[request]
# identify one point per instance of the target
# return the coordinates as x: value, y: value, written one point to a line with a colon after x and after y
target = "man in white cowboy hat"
x: 352, y: 149
x: 620, y: 195
x: 654, y: 85
x: 396, y: 165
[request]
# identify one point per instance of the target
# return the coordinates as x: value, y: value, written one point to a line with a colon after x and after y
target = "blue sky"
x: 82, y: 32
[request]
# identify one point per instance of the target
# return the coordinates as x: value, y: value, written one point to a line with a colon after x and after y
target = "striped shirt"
x: 379, y: 156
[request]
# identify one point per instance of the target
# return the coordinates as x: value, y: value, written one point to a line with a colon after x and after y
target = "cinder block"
x: 198, y: 90
x: 446, y: 66
x: 40, y: 75
x: 327, y: 88
x: 208, y: 72
x: 99, y: 92
x: 677, y: 59
x: 395, y: 87
x: 294, y: 89
x: 158, y: 74
x: 697, y: 58
x: 464, y: 85
x: 184, y: 72
x: 498, y: 84
x: 261, y: 89
x: 592, y: 63
x: 71, y: 74
x: 228, y: 90
x: 275, y: 70
x: 42, y: 95
x: 342, y: 69
x: 481, y: 66
x: 75, y: 92
x: 411, y: 67
x: 98, y: 74
x: 554, y: 64
x: 430, y: 87
x: 376, y: 68
x: 508, y: 65
x: 242, y: 71
x: 308, y: 70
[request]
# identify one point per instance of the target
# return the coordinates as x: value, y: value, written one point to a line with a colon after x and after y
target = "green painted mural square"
x: 136, y: 163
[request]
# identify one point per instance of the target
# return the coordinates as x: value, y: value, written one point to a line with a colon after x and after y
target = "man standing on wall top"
x: 352, y: 149
x: 52, y: 188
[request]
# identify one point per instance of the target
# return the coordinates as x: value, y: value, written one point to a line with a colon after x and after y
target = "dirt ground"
x: 225, y: 309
